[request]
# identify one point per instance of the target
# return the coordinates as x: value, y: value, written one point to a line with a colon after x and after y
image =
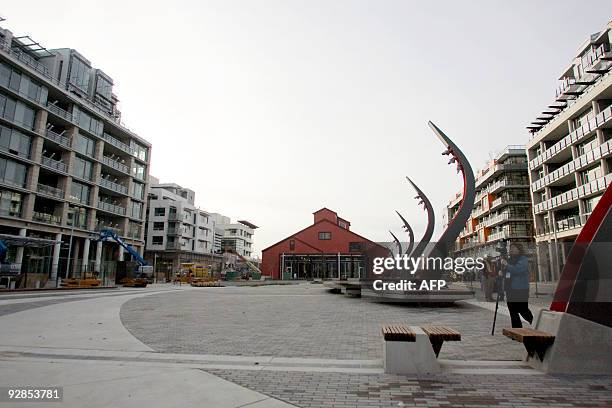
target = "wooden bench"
x: 398, y: 332
x: 439, y: 334
x: 535, y: 341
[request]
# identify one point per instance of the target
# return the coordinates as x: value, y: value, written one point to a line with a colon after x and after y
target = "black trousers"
x: 518, y: 306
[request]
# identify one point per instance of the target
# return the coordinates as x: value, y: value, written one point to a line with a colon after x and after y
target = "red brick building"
x: 326, y: 249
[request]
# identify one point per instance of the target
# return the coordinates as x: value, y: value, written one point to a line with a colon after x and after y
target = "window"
x: 158, y: 240
x: 590, y: 204
x: 10, y: 203
x: 138, y: 171
x: 79, y: 215
x: 590, y: 175
x: 136, y: 210
x: 82, y: 168
x: 355, y: 246
x: 12, y: 172
x: 160, y: 211
x: 324, y: 235
x: 158, y: 226
x: 14, y: 142
x: 139, y: 151
x: 79, y: 73
x: 79, y: 192
x: 85, y: 121
x: 138, y: 191
x: 84, y: 145
x: 17, y: 112
x: 104, y: 87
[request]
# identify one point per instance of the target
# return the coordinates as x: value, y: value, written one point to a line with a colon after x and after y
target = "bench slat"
x: 398, y: 333
x: 441, y: 333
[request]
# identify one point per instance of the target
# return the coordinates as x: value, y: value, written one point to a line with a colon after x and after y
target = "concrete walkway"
x: 78, y: 342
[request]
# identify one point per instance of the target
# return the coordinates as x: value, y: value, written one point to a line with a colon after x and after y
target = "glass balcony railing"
x: 46, y: 218
x: 57, y: 138
x: 54, y: 164
x: 50, y: 191
x: 116, y: 142
x: 113, y: 186
x: 112, y: 208
x: 115, y: 164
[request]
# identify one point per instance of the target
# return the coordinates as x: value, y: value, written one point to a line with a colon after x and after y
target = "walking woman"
x: 516, y: 274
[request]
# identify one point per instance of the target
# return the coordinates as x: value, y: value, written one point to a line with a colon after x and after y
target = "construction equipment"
x: 256, y: 272
x: 143, y: 273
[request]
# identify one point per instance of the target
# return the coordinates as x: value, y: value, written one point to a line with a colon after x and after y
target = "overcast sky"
x: 270, y: 110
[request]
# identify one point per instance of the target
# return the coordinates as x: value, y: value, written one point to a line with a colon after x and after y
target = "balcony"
x: 109, y: 185
x: 174, y: 231
x: 111, y: 208
x: 572, y: 195
x: 57, y: 138
x: 62, y: 113
x: 46, y: 218
x: 103, y: 226
x: 54, y: 164
x: 173, y: 217
x: 115, y: 164
x: 574, y: 137
x: 117, y: 143
x: 572, y: 167
x: 173, y: 246
x: 50, y: 191
x: 564, y: 224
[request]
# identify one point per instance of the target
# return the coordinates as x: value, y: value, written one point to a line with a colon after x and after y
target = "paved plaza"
x: 273, y: 346
x: 300, y: 321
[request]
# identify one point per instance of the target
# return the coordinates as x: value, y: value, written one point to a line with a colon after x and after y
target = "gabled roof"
x: 325, y: 208
x: 317, y: 223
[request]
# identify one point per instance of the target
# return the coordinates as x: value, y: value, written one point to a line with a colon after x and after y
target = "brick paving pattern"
x: 314, y: 390
x: 299, y: 321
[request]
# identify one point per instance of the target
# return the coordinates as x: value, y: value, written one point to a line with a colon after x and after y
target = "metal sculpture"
x: 459, y: 220
x: 397, y: 242
x: 431, y: 220
x: 408, y: 229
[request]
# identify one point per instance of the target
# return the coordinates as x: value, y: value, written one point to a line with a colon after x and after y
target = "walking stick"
x: 497, y: 306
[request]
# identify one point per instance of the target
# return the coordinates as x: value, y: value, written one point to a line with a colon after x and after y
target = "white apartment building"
x: 236, y: 236
x: 177, y: 231
x: 570, y: 152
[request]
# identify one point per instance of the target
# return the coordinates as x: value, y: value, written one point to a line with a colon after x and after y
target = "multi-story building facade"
x: 570, y: 152
x: 68, y: 166
x: 502, y: 209
x: 177, y: 231
x: 236, y: 236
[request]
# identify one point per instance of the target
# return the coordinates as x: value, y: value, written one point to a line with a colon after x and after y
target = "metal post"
x: 74, y: 220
